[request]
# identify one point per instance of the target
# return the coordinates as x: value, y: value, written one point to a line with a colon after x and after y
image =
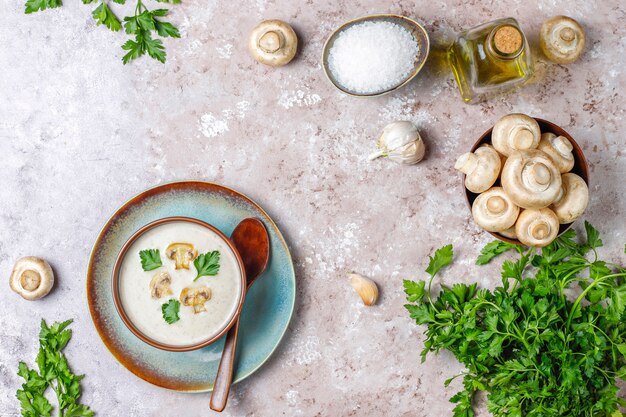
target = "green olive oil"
x: 490, y: 59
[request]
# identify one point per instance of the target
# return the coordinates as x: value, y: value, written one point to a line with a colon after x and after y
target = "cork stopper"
x: 507, y: 40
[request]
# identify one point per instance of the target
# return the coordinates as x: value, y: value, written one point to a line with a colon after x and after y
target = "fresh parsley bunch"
x: 142, y: 25
x: 536, y: 351
x: 54, y: 373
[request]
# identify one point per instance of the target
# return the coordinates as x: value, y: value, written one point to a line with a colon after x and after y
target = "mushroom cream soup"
x: 139, y: 298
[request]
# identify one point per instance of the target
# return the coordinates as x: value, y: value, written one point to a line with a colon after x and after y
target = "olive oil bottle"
x: 490, y: 59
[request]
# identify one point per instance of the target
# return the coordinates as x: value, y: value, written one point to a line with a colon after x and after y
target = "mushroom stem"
x: 563, y: 145
x: 496, y: 205
x: 567, y: 34
x: 539, y: 231
x: 522, y: 138
x: 271, y: 41
x: 466, y: 163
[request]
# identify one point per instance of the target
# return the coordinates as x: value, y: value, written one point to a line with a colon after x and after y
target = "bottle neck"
x: 505, y: 42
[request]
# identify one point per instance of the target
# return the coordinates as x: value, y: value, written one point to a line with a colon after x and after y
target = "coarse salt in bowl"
x: 375, y: 54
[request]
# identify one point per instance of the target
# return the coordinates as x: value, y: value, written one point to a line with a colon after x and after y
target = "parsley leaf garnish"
x: 550, y: 341
x: 54, y: 372
x: 36, y: 5
x: 170, y: 311
x: 143, y: 25
x: 104, y: 16
x: 207, y: 264
x: 442, y: 258
x: 493, y: 249
x: 150, y: 259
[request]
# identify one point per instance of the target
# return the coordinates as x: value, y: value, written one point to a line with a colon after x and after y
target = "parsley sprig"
x: 143, y: 25
x: 207, y: 264
x: 170, y: 311
x: 150, y: 259
x: 54, y: 373
x: 535, y: 349
x: 32, y: 6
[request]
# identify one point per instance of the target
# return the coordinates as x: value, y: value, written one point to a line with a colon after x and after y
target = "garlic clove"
x: 365, y: 287
x: 400, y: 142
x: 409, y: 154
x: 398, y: 134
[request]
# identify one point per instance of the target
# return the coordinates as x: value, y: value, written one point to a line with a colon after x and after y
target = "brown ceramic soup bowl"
x: 581, y: 168
x: 229, y: 319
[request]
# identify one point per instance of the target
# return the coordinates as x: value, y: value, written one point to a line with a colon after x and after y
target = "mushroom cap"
x: 559, y: 149
x: 537, y: 228
x: 531, y: 179
x: 273, y: 42
x: 509, y: 233
x: 515, y: 132
x: 195, y: 297
x: 181, y: 253
x: 481, y: 168
x: 494, y: 211
x: 562, y: 39
x: 160, y: 284
x: 573, y: 200
x: 32, y: 278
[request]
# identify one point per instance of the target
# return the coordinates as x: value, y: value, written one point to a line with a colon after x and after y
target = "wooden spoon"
x: 252, y: 242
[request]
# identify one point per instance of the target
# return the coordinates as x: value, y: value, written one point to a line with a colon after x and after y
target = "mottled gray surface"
x: 80, y: 133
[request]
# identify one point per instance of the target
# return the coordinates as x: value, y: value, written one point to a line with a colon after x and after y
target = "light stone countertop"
x: 80, y: 133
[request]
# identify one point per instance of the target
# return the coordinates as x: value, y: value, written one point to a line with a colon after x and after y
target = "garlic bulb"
x: 400, y: 142
x: 365, y: 287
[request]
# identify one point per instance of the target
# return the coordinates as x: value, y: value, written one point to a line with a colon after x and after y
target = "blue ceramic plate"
x: 268, y: 306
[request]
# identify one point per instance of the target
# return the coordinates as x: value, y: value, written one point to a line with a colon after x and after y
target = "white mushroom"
x: 562, y: 39
x: 515, y: 132
x: 160, y: 285
x: 494, y: 211
x: 537, y: 228
x: 509, y: 233
x: 559, y: 149
x: 573, y: 200
x: 481, y: 168
x: 531, y: 179
x: 273, y: 42
x: 195, y: 297
x: 32, y: 278
x: 181, y: 253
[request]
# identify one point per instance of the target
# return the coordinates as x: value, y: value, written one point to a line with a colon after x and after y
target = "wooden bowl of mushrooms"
x: 526, y: 180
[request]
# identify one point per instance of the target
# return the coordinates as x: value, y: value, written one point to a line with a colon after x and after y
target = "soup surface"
x: 145, y: 310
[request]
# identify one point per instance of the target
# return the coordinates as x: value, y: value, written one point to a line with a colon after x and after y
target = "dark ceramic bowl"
x: 120, y: 308
x: 581, y: 168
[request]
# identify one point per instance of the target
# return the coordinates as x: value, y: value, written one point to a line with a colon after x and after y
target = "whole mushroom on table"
x: 32, y: 278
x: 536, y: 192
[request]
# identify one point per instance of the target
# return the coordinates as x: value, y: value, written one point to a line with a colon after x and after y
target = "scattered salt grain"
x: 372, y: 57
